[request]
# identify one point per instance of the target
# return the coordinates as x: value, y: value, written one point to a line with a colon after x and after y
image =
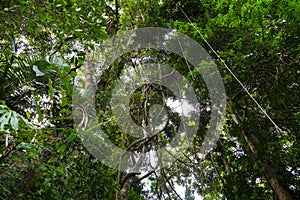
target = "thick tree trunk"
x: 123, y: 195
x: 269, y: 171
x: 271, y: 176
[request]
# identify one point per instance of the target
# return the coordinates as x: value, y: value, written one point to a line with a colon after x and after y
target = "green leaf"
x: 4, y: 119
x: 27, y: 114
x: 62, y: 147
x: 43, y: 65
x: 191, y: 123
x: 25, y: 145
x: 73, y: 74
x: 71, y: 137
x: 14, y: 121
x: 53, y: 160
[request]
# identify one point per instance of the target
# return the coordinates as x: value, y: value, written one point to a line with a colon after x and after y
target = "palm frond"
x: 17, y: 80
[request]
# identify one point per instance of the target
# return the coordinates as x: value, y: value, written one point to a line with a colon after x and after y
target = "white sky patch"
x: 182, y: 106
x: 181, y: 192
x: 23, y: 45
x: 258, y: 180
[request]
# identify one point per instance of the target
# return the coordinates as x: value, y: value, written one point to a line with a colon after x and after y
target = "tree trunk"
x: 224, y: 159
x: 271, y: 176
x: 269, y: 171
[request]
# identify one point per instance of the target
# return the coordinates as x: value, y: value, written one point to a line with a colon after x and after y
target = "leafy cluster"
x: 44, y: 46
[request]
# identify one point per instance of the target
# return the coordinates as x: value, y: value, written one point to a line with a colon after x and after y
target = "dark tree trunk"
x: 269, y: 171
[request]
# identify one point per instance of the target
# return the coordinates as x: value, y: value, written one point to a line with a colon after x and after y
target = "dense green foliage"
x: 43, y: 46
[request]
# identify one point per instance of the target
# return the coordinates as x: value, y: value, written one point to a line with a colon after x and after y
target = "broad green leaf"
x: 14, y: 121
x: 4, y: 119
